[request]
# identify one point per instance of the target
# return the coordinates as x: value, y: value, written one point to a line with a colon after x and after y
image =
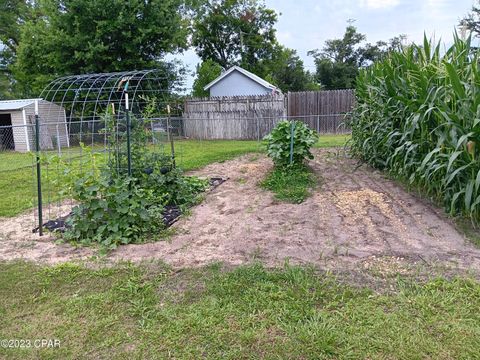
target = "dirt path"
x: 355, y: 218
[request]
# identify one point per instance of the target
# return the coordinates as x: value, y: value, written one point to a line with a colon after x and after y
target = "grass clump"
x: 291, y: 183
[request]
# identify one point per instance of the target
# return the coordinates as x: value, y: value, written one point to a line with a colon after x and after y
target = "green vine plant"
x: 279, y: 143
x: 289, y: 145
x: 115, y: 208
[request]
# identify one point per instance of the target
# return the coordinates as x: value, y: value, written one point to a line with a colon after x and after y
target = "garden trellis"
x: 98, y: 112
x: 87, y: 98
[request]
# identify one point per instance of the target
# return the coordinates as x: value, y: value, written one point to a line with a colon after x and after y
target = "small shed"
x: 237, y: 81
x: 17, y: 120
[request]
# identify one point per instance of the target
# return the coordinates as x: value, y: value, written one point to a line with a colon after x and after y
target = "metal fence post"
x: 59, y: 147
x: 39, y: 173
x: 153, y: 132
x: 170, y: 136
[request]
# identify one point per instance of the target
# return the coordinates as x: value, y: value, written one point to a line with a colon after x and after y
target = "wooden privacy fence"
x: 252, y: 117
x: 323, y: 111
x: 236, y: 117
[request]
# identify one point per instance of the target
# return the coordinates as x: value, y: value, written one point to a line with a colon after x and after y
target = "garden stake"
x: 39, y: 174
x: 129, y: 154
x: 292, y: 134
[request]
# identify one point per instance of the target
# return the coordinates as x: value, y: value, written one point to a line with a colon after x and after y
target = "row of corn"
x: 418, y: 117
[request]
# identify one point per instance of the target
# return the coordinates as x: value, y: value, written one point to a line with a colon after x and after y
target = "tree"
x: 287, y: 71
x: 235, y: 32
x: 13, y: 14
x: 5, y: 79
x: 471, y: 21
x: 241, y: 32
x: 84, y: 36
x: 338, y: 63
x: 207, y: 71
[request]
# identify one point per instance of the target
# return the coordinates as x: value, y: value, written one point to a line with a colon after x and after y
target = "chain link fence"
x: 75, y: 147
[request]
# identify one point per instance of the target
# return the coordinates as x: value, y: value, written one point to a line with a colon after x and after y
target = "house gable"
x: 239, y: 82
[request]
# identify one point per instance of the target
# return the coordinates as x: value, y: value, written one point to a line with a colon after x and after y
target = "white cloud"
x: 379, y: 4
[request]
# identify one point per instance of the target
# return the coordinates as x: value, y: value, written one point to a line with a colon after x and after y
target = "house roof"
x: 248, y: 74
x: 6, y: 105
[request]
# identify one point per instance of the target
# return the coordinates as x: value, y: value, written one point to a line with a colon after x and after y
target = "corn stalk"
x: 418, y: 117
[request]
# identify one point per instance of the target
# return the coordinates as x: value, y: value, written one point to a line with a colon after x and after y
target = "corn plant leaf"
x: 468, y: 194
x: 452, y: 159
x: 477, y: 181
x: 453, y: 174
x: 455, y: 80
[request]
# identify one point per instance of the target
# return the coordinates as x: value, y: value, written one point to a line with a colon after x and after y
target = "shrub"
x: 290, y: 180
x: 417, y: 116
x: 278, y: 142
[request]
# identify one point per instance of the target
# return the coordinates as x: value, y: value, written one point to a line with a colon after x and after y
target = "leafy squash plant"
x: 291, y: 179
x: 115, y: 208
x: 112, y: 212
x: 278, y: 143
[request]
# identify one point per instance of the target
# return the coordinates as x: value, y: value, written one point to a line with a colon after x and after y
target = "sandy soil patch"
x: 18, y: 241
x: 355, y: 219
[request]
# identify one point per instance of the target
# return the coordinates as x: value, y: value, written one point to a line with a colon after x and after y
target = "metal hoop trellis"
x: 85, y: 99
x: 78, y: 110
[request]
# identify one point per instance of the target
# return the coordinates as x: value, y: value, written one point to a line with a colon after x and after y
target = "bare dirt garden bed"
x: 355, y: 219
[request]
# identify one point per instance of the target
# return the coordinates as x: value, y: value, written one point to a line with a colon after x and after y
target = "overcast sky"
x: 305, y: 24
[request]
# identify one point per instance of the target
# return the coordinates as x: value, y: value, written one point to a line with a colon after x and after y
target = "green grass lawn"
x: 18, y: 183
x: 151, y: 312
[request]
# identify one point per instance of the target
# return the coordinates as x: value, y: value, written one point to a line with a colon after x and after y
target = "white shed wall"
x: 18, y: 129
x: 53, y: 129
x: 237, y: 84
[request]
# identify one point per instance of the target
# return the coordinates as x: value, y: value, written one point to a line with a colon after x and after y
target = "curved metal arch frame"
x: 108, y: 88
x: 103, y: 80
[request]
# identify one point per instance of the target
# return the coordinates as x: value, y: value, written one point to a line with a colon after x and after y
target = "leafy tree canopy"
x: 207, y: 71
x: 235, y: 32
x: 287, y: 71
x: 471, y: 21
x: 84, y: 36
x: 338, y: 63
x: 13, y: 14
x: 242, y: 32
